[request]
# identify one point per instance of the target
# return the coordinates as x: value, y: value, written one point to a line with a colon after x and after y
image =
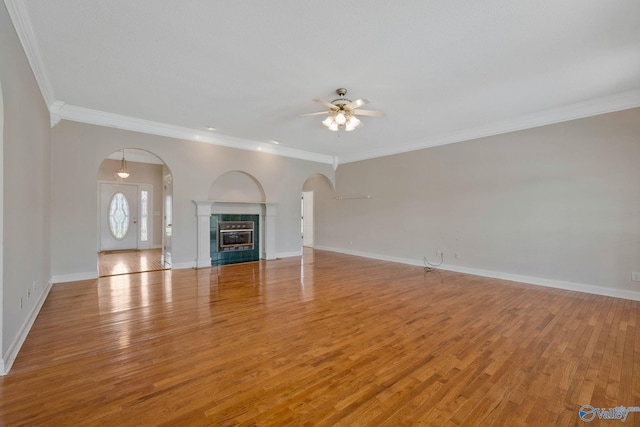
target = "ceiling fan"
x: 342, y: 112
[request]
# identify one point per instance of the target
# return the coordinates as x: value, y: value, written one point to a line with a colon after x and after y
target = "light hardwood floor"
x: 111, y: 263
x: 327, y: 340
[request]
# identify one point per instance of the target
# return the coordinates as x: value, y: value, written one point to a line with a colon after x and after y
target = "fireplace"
x: 235, y: 236
x: 209, y: 213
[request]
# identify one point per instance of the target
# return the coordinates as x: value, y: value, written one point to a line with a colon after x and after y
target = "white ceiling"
x: 443, y: 71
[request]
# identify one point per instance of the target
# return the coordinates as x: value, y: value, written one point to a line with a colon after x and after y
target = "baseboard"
x: 550, y: 283
x: 372, y: 255
x: 12, y: 352
x: 75, y: 277
x: 538, y: 281
x: 181, y: 265
x: 288, y: 254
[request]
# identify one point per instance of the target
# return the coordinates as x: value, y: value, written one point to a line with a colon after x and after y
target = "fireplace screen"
x: 235, y: 235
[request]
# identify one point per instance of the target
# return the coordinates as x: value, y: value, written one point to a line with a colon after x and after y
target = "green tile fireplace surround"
x: 223, y: 256
x: 208, y: 213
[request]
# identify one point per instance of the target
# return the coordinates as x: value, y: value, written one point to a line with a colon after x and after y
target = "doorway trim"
x: 307, y: 219
x: 155, y: 217
x: 2, y: 362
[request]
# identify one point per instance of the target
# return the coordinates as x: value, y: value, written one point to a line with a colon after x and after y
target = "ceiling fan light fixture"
x: 341, y: 118
x: 353, y: 121
x: 342, y: 112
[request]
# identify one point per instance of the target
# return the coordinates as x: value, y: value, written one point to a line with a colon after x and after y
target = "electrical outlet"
x: 635, y: 276
x: 456, y: 255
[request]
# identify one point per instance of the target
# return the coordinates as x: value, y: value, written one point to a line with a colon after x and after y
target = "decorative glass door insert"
x: 119, y: 216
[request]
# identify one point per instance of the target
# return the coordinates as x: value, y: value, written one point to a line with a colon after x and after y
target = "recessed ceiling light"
x: 209, y: 128
x: 275, y: 142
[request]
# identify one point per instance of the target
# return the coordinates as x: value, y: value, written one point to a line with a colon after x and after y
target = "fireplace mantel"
x: 204, y: 210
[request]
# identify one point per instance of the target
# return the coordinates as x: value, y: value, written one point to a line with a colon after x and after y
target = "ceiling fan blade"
x: 369, y: 113
x: 355, y: 104
x: 313, y: 114
x: 325, y: 103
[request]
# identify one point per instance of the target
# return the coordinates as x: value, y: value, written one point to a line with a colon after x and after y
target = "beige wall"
x: 237, y: 187
x: 558, y: 204
x: 555, y: 203
x: 79, y: 149
x: 26, y: 192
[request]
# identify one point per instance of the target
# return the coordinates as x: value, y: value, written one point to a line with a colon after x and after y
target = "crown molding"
x: 54, y: 112
x: 59, y: 110
x: 22, y: 23
x: 594, y: 107
x: 101, y: 118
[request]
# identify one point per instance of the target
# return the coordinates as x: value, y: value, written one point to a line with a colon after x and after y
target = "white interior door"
x: 307, y: 218
x: 118, y: 216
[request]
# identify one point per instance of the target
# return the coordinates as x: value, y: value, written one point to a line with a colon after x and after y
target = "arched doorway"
x: 317, y: 191
x: 135, y: 193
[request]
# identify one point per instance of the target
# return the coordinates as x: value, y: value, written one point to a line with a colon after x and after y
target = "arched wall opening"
x: 134, y: 213
x: 317, y: 191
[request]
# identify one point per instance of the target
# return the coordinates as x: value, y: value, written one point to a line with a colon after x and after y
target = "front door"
x: 118, y: 216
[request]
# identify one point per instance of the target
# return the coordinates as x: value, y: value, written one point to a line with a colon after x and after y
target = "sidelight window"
x: 144, y: 216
